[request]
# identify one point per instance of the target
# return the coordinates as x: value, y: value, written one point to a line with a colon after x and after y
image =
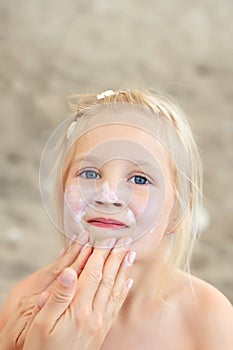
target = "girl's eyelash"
x: 140, y: 180
x: 91, y: 174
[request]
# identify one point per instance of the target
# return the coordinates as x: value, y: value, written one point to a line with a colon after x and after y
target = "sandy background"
x: 50, y: 49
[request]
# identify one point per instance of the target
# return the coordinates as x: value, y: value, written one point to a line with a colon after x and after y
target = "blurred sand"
x: 50, y: 49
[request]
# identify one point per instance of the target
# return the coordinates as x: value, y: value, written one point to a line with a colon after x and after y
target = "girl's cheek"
x: 74, y: 201
x: 138, y: 203
x: 74, y: 210
x: 149, y: 211
x: 137, y: 209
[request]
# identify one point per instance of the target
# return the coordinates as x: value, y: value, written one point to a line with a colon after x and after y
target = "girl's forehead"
x: 112, y: 141
x: 123, y: 123
x: 121, y: 134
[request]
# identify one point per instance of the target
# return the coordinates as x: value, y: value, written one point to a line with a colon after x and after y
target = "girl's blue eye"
x: 89, y: 174
x: 139, y: 180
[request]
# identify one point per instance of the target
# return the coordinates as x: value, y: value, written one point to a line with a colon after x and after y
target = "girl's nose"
x: 115, y: 203
x: 106, y: 196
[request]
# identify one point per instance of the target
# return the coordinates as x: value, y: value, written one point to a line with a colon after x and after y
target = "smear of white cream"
x: 79, y: 214
x: 73, y: 203
x: 131, y: 219
x: 107, y: 194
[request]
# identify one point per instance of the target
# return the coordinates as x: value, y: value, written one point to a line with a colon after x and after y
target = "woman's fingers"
x: 110, y: 271
x: 79, y: 312
x: 81, y: 260
x: 69, y: 258
x: 92, y: 274
x: 60, y: 298
x: 121, y: 288
x: 16, y: 328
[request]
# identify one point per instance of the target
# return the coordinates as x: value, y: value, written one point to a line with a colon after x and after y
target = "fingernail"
x: 124, y: 241
x: 43, y: 298
x: 110, y: 242
x: 84, y: 247
x: 62, y: 252
x: 107, y: 243
x: 130, y: 258
x: 83, y: 237
x: 72, y: 239
x: 129, y: 283
x: 68, y: 276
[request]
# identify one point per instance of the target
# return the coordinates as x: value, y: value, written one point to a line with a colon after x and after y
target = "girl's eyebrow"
x: 84, y: 158
x: 139, y: 163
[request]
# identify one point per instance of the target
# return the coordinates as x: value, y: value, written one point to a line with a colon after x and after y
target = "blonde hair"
x: 186, y: 232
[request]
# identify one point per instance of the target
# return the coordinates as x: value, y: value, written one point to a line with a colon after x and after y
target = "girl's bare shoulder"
x: 207, y: 311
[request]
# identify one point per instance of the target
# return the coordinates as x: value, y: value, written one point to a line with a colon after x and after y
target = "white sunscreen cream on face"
x: 74, y: 211
x: 130, y: 216
x: 107, y: 194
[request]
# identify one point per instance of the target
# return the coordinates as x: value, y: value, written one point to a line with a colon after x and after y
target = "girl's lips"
x: 107, y: 223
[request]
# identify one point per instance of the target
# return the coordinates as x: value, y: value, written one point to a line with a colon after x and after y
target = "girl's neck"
x: 146, y: 294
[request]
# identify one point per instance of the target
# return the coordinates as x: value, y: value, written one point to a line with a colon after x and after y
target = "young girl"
x: 127, y: 184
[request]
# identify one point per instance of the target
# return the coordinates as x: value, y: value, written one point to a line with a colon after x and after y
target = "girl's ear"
x: 178, y: 215
x: 172, y: 225
x: 174, y: 218
x: 191, y: 202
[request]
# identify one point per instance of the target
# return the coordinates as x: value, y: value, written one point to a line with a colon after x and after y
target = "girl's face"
x: 119, y: 185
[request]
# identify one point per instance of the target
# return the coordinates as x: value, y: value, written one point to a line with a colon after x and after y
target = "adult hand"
x: 21, y: 306
x: 40, y: 280
x: 11, y: 336
x: 79, y: 312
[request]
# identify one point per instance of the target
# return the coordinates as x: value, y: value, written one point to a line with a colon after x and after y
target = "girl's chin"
x: 97, y: 233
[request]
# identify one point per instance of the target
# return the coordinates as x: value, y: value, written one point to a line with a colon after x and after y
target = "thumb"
x: 61, y: 297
